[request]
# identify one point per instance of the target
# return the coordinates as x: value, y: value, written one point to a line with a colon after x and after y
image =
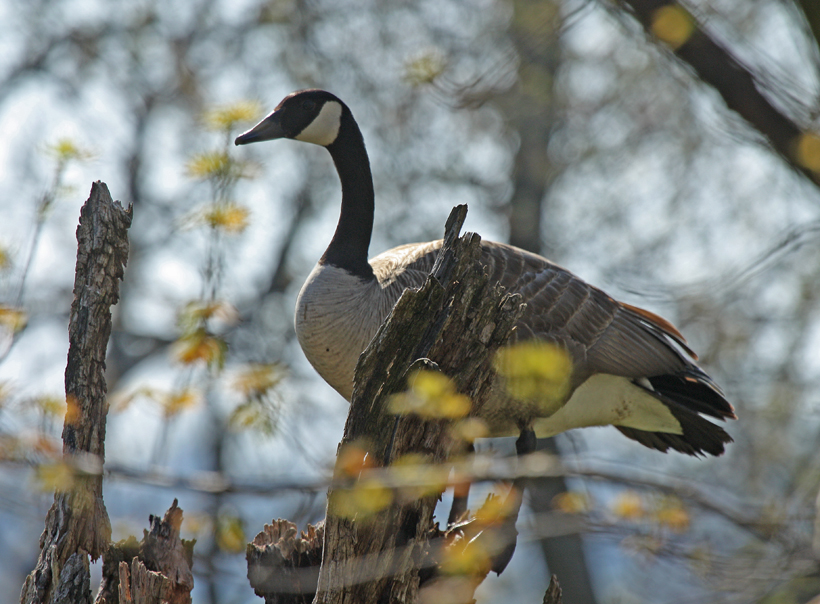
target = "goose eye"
x: 308, y: 105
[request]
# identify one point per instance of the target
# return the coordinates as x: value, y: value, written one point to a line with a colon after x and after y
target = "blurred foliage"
x: 261, y: 405
x: 227, y: 117
x: 230, y: 533
x: 535, y: 371
x: 431, y: 395
x: 55, y: 477
x: 171, y: 402
x: 361, y: 501
x: 808, y: 151
x: 673, y: 24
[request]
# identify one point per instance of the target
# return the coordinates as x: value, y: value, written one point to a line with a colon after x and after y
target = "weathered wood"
x: 154, y: 571
x: 553, y: 593
x: 457, y: 319
x: 77, y: 523
x: 283, y: 567
x: 138, y: 585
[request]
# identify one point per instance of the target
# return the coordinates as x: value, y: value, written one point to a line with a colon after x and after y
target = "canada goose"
x: 630, y: 368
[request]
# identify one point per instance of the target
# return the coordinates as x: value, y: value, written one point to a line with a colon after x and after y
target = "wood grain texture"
x: 77, y: 523
x: 455, y: 321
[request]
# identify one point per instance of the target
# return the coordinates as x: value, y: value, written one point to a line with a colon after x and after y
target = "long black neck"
x: 348, y: 248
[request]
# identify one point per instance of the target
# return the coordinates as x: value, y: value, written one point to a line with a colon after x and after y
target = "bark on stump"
x: 156, y: 570
x: 77, y: 524
x: 283, y: 566
x: 456, y: 321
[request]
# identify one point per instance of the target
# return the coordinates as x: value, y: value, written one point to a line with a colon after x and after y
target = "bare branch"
x: 717, y: 67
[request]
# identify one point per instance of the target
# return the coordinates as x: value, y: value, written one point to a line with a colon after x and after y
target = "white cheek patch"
x: 324, y: 129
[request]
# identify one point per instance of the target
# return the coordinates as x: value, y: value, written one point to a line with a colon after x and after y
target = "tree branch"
x: 733, y: 81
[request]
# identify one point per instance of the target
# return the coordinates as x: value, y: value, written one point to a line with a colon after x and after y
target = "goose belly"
x: 337, y: 314
x: 605, y: 399
x: 601, y: 400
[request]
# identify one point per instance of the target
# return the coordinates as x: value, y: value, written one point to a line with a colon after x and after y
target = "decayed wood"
x: 553, y: 594
x: 283, y: 566
x: 77, y: 524
x: 154, y: 571
x: 457, y: 319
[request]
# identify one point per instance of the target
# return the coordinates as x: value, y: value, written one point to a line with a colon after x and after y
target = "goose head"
x: 319, y: 117
x: 310, y: 116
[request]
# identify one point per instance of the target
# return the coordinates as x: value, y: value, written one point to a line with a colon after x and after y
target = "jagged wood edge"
x: 457, y: 319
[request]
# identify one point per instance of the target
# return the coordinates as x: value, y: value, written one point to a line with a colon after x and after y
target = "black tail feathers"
x: 689, y: 395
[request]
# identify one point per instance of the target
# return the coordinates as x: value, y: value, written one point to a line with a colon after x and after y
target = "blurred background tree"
x: 586, y: 130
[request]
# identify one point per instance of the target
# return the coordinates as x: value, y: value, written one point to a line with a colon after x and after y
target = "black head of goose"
x: 630, y: 368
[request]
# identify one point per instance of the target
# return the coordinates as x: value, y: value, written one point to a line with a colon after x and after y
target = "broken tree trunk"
x: 157, y: 570
x: 455, y: 321
x: 77, y: 524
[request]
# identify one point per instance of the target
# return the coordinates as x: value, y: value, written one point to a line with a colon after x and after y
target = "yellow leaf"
x: 246, y: 415
x: 352, y: 459
x: 673, y: 24
x: 5, y: 259
x: 257, y: 379
x: 535, y: 371
x: 65, y: 150
x: 418, y: 476
x: 196, y: 523
x: 196, y: 313
x: 370, y: 495
x: 72, y: 410
x: 50, y: 405
x: 230, y: 534
x: 424, y: 68
x: 229, y: 217
x: 808, y: 151
x: 364, y: 499
x: 431, y: 395
x: 467, y: 558
x: 178, y: 400
x: 672, y: 515
x: 571, y: 502
x: 453, y: 405
x: 227, y: 116
x: 200, y: 346
x: 58, y: 476
x: 496, y: 508
x: 217, y: 165
x: 629, y: 506
x: 13, y: 319
x: 469, y: 429
x: 209, y: 165
x: 431, y: 384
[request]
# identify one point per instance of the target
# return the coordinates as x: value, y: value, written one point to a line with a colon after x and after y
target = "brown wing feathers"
x: 662, y: 324
x: 606, y: 336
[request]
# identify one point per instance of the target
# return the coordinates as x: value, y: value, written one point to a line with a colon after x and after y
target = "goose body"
x: 630, y: 368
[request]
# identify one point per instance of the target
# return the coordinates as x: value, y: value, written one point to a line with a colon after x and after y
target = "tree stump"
x: 77, y: 524
x: 455, y: 322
